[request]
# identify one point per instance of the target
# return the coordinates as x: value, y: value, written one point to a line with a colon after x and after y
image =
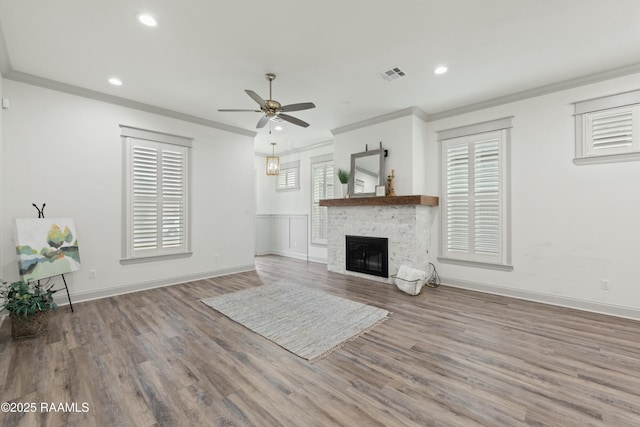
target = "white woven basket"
x: 410, y: 280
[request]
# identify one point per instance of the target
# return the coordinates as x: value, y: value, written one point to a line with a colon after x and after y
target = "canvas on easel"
x: 46, y: 247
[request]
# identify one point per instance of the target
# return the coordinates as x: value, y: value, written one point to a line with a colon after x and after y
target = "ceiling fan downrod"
x: 271, y: 77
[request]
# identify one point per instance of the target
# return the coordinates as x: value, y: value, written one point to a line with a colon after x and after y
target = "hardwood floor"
x: 447, y: 357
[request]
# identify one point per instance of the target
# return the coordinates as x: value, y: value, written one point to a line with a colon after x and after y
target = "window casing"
x: 322, y: 187
x: 156, y: 184
x: 607, y: 129
x: 289, y: 176
x: 475, y: 221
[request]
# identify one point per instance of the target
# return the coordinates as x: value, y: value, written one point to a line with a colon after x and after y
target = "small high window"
x: 607, y: 129
x: 289, y: 177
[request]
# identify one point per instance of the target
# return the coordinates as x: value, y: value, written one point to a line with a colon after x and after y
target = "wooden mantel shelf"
x: 382, y: 201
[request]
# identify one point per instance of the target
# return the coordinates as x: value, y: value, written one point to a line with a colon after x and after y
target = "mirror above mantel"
x: 367, y: 172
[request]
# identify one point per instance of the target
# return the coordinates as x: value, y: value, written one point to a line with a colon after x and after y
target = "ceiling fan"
x: 273, y: 110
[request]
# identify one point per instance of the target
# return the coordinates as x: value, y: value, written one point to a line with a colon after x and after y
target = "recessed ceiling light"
x: 115, y: 81
x: 278, y: 127
x: 441, y: 70
x: 147, y: 20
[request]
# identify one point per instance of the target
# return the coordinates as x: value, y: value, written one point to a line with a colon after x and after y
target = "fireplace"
x: 368, y: 255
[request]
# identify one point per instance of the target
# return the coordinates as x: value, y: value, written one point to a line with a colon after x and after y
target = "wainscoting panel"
x: 298, y: 235
x: 282, y: 234
x: 263, y: 234
x: 280, y: 230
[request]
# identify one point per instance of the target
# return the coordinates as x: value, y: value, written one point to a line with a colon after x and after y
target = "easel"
x: 41, y: 215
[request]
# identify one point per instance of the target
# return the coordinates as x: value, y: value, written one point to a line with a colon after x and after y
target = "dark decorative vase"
x: 30, y: 327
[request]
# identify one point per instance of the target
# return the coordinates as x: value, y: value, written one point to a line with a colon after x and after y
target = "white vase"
x: 345, y: 190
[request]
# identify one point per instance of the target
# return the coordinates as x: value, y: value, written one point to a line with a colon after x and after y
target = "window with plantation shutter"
x: 607, y: 129
x: 322, y: 177
x: 156, y: 200
x: 610, y: 131
x: 289, y: 176
x: 475, y: 221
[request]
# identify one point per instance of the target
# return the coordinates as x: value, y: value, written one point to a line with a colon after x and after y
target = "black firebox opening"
x: 368, y: 255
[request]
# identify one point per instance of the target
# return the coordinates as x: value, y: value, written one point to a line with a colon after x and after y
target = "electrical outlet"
x: 604, y: 284
x: 92, y: 274
x: 215, y: 258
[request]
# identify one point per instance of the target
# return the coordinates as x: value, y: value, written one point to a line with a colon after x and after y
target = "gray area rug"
x: 307, y: 322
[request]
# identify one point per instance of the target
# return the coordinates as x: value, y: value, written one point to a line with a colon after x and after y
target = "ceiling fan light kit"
x: 272, y: 109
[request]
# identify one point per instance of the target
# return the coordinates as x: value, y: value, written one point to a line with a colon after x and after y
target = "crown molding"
x: 298, y: 150
x: 410, y: 111
x: 488, y: 126
x: 123, y: 102
x: 539, y: 91
x: 606, y: 102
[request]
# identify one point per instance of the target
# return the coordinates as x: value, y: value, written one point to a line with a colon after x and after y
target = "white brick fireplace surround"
x: 404, y: 220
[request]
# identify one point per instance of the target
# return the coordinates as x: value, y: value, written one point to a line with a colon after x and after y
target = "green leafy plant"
x: 26, y: 299
x: 343, y: 176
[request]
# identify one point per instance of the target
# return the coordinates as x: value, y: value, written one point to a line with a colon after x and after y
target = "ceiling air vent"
x: 393, y: 74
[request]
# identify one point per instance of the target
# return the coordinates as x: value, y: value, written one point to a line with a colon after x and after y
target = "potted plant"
x: 29, y: 305
x: 343, y: 177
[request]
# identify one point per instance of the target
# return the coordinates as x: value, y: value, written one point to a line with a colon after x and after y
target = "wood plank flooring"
x: 447, y: 357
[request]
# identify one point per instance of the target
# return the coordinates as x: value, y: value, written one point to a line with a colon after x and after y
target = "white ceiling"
x: 204, y: 53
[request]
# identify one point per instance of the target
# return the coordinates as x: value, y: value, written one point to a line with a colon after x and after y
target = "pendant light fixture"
x: 273, y: 162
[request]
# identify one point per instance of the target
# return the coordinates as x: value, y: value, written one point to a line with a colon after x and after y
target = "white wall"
x: 418, y: 149
x: 66, y: 151
x: 291, y: 202
x: 572, y: 225
x: 265, y: 186
x: 396, y: 136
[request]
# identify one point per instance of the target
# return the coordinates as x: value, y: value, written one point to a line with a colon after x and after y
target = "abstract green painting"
x: 46, y: 247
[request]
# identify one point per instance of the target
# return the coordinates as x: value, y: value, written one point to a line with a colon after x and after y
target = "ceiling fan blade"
x: 293, y: 120
x: 263, y: 121
x: 256, y: 98
x: 298, y: 107
x: 235, y: 110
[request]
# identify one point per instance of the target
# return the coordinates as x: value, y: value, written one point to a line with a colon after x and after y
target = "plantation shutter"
x: 291, y: 179
x: 158, y: 199
x: 610, y: 131
x: 322, y: 188
x: 288, y: 178
x: 458, y: 198
x: 486, y: 200
x: 282, y: 179
x: 473, y: 223
x: 173, y: 197
x: 145, y: 198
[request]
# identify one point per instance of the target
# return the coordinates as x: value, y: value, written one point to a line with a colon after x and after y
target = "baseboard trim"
x: 292, y: 255
x: 61, y: 297
x: 288, y: 254
x: 318, y: 260
x: 409, y: 111
x: 575, y: 303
